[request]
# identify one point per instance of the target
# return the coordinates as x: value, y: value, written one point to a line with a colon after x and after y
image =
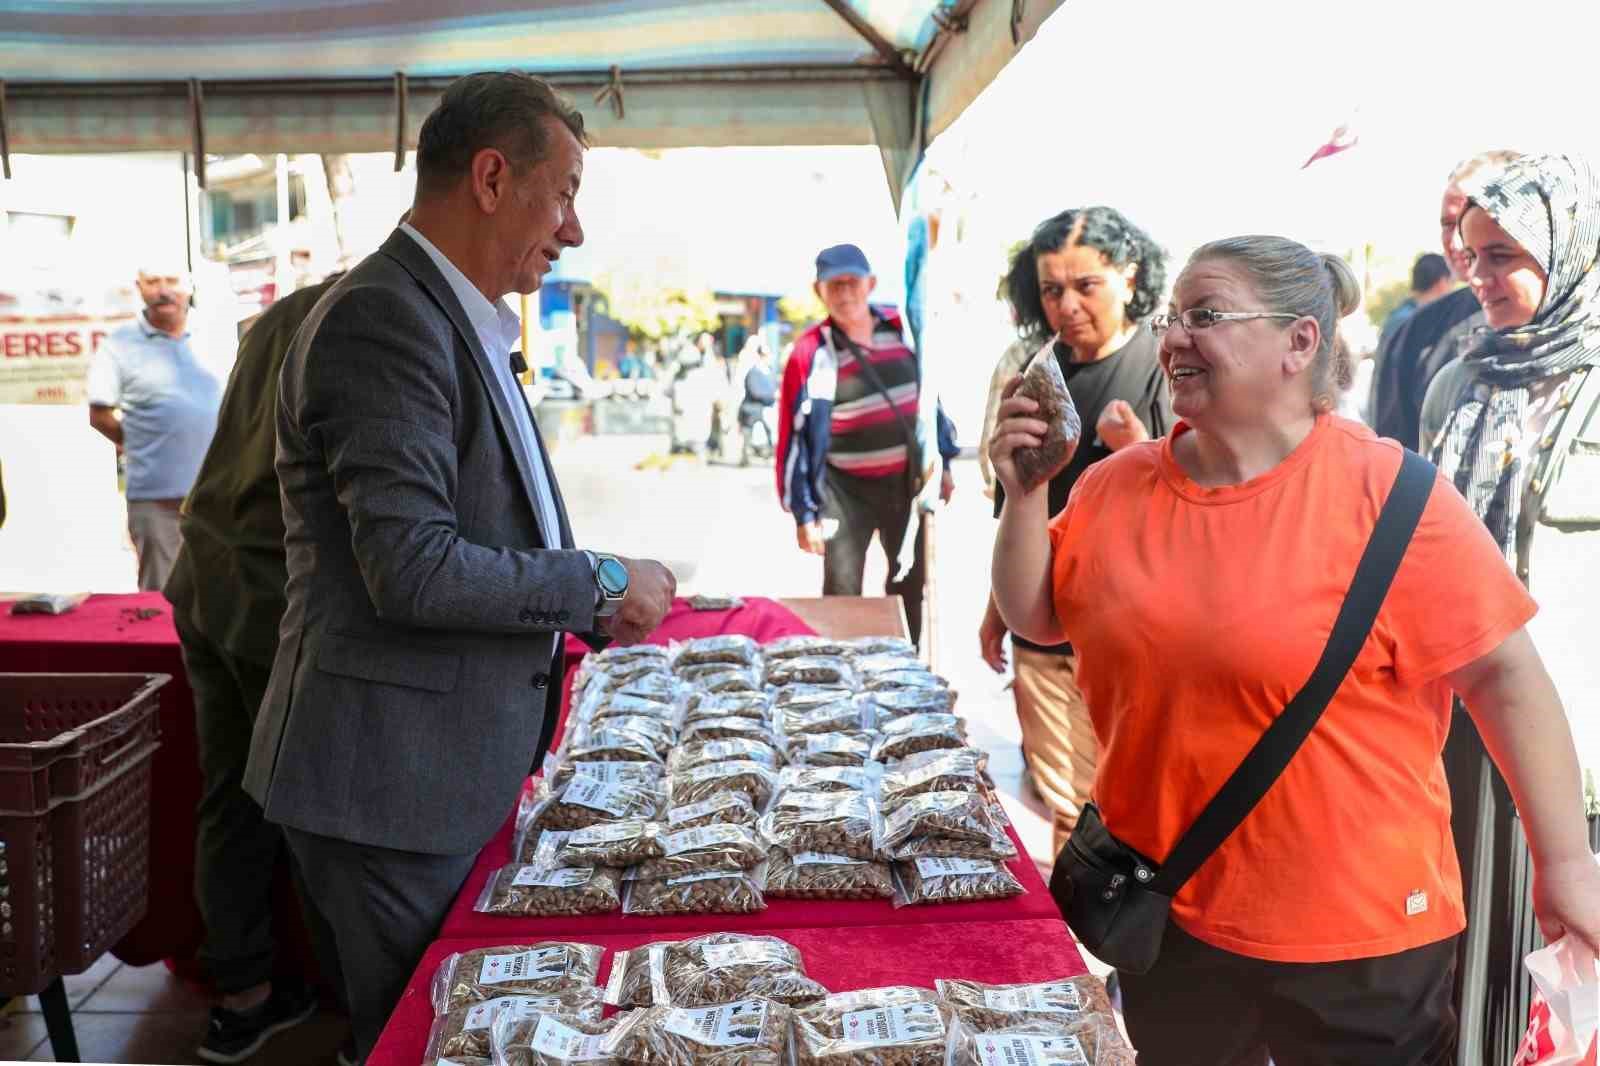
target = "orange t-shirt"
x: 1197, y: 613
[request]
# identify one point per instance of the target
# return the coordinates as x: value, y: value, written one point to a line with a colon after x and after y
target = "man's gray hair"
x: 494, y: 109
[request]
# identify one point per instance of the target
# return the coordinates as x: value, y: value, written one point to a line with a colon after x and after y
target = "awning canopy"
x: 360, y: 75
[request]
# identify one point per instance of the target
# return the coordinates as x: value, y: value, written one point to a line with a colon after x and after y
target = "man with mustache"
x: 151, y: 397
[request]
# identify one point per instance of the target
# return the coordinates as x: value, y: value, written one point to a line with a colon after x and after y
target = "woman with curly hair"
x: 1080, y: 290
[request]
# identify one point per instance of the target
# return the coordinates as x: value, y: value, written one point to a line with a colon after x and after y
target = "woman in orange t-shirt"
x: 1198, y: 577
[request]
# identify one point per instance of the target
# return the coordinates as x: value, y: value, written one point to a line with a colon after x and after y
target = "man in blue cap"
x: 856, y: 445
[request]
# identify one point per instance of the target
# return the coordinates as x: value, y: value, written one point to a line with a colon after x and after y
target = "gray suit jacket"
x: 413, y: 686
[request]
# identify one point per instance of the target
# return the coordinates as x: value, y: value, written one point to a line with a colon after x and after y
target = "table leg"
x: 58, y: 1021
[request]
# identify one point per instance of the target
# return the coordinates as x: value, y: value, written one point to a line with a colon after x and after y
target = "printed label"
x: 729, y: 1025
x: 1055, y: 999
x: 746, y: 953
x: 596, y: 795
x: 1416, y: 903
x: 552, y: 1038
x: 613, y: 773
x: 912, y: 1023
x: 822, y: 858
x: 536, y: 965
x: 808, y: 801
x: 943, y: 867
x: 482, y: 1015
x: 679, y: 815
x: 724, y: 769
x: 703, y: 875
x: 541, y: 877
x: 705, y: 836
x: 605, y: 833
x: 1031, y: 1051
x: 937, y: 768
x: 926, y: 803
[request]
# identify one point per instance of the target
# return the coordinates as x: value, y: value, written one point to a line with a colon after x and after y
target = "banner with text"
x: 45, y: 359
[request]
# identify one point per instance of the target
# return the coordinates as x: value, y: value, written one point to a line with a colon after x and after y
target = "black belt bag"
x: 1115, y: 899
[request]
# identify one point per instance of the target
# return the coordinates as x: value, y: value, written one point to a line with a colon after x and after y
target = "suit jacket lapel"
x: 410, y: 255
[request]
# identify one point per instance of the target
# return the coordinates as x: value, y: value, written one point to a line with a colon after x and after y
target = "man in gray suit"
x: 431, y: 565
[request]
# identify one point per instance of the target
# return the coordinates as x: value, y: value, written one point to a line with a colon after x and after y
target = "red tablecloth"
x: 841, y: 958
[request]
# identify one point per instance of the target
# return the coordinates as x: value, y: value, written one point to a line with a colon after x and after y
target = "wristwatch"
x: 610, y: 583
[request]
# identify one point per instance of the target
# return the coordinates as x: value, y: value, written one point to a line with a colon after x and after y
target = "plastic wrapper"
x: 747, y: 1032
x: 731, y: 727
x: 868, y: 666
x: 998, y: 847
x: 730, y: 808
x: 459, y: 1060
x: 1093, y: 1041
x: 844, y: 823
x: 611, y: 676
x: 703, y: 602
x: 751, y: 778
x: 809, y: 695
x: 986, y: 1006
x: 817, y: 875
x: 710, y: 892
x: 903, y: 680
x: 661, y: 733
x: 466, y: 1031
x: 585, y: 801
x: 661, y: 687
x: 831, y: 749
x: 812, y: 670
x: 705, y: 752
x: 899, y: 702
x: 714, y: 968
x: 735, y: 649
x: 626, y: 704
x: 1043, y: 383
x: 885, y: 645
x: 701, y: 705
x: 950, y: 771
x: 465, y: 978
x: 548, y: 1039
x: 803, y: 644
x: 952, y: 815
x: 916, y: 733
x: 894, y: 1026
x: 846, y: 713
x: 952, y: 880
x: 626, y: 653
x: 829, y: 779
x: 612, y: 773
x: 542, y: 892
x: 622, y: 843
x: 724, y: 679
x: 614, y: 745
x: 710, y: 847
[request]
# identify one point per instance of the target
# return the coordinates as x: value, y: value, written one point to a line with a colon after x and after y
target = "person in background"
x: 157, y: 402
x: 846, y: 431
x: 1425, y: 342
x: 755, y: 409
x: 1011, y: 362
x: 1513, y: 423
x: 1080, y: 291
x: 1198, y: 577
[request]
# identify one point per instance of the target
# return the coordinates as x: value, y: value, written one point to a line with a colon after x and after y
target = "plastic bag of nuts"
x: 835, y: 823
x: 903, y: 680
x: 1043, y: 383
x: 704, y: 602
x: 657, y: 687
x: 465, y: 978
x: 710, y: 847
x: 702, y: 705
x: 998, y: 847
x: 952, y: 771
x: 586, y: 801
x: 705, y: 752
x: 621, y: 843
x: 829, y: 778
x: 548, y: 1039
x: 951, y: 880
x: 725, y: 679
x: 809, y: 695
x: 540, y: 892
x: 869, y: 666
x: 794, y: 647
x: 831, y: 749
x: 748, y: 1032
x: 465, y: 1031
x: 811, y: 670
x: 713, y: 968
x: 816, y: 875
x: 846, y: 713
x: 894, y: 1026
x: 708, y: 892
x: 1093, y: 1041
x: 611, y: 773
x: 730, y: 808
x: 731, y: 727
x: 613, y: 745
x: 985, y: 1006
x: 898, y: 702
x: 915, y: 733
x: 950, y: 815
x: 661, y: 734
x: 741, y: 775
x: 735, y: 649
x: 861, y: 647
x: 629, y: 705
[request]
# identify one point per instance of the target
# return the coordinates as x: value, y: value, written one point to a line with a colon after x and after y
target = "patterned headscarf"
x: 1550, y: 205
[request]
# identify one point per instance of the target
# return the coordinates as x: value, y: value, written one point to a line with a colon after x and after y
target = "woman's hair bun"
x: 1346, y: 286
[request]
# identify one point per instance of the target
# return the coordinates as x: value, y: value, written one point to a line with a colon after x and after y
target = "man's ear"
x: 490, y: 176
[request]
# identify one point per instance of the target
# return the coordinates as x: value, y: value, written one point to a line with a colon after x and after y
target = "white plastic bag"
x: 1565, y: 1012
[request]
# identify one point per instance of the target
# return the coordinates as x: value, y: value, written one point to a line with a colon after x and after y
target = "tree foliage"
x: 1382, y: 301
x: 655, y: 312
x: 801, y: 309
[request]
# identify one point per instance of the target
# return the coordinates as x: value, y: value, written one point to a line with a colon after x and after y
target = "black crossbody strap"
x: 1277, y: 746
x: 877, y: 383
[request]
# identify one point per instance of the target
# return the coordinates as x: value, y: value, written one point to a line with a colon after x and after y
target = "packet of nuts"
x: 955, y: 770
x: 547, y: 1039
x: 541, y: 892
x: 586, y: 801
x: 865, y: 778
x: 708, y: 892
x: 903, y: 680
x: 698, y: 753
x: 704, y: 602
x: 950, y: 880
x: 465, y: 1031
x: 733, y: 649
x: 1043, y: 383
x: 860, y: 647
x: 811, y: 670
x: 894, y: 1026
x: 622, y: 843
x: 629, y: 705
x: 899, y: 702
x: 732, y: 808
x: 800, y: 696
x: 465, y: 978
x: 831, y: 749
x: 613, y: 745
x: 713, y: 968
x: 800, y: 644
x: 818, y: 875
x: 986, y: 1006
x: 950, y: 815
x: 904, y: 737
x: 662, y: 735
x: 753, y: 779
x: 658, y: 687
x: 711, y: 847
x: 732, y: 727
x: 748, y: 1032
x: 702, y: 705
x: 844, y: 714
x: 838, y: 823
x: 998, y: 847
x: 1094, y: 1041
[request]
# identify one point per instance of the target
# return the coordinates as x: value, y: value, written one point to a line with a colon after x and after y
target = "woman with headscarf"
x: 1519, y: 434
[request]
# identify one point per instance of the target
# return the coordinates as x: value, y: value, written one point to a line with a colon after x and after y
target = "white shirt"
x: 499, y: 329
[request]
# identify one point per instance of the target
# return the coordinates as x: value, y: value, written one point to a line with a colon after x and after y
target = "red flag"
x: 1343, y: 137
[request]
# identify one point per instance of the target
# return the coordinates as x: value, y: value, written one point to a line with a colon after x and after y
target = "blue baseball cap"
x: 842, y: 259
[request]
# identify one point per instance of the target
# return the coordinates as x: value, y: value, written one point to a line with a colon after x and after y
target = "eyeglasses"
x: 1204, y: 318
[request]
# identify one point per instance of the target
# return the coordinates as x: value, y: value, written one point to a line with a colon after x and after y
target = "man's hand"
x: 651, y: 587
x: 809, y: 537
x: 1119, y: 426
x: 947, y: 486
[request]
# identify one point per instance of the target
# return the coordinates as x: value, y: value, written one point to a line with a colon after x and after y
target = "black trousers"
x: 1201, y: 1006
x: 864, y: 506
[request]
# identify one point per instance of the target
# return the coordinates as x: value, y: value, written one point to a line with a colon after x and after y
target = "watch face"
x: 613, y: 577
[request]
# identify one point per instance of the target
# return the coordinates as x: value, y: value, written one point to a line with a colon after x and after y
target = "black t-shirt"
x: 1404, y: 371
x: 1131, y: 373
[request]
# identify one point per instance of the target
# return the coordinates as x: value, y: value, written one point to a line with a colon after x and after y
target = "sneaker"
x: 234, y: 1036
